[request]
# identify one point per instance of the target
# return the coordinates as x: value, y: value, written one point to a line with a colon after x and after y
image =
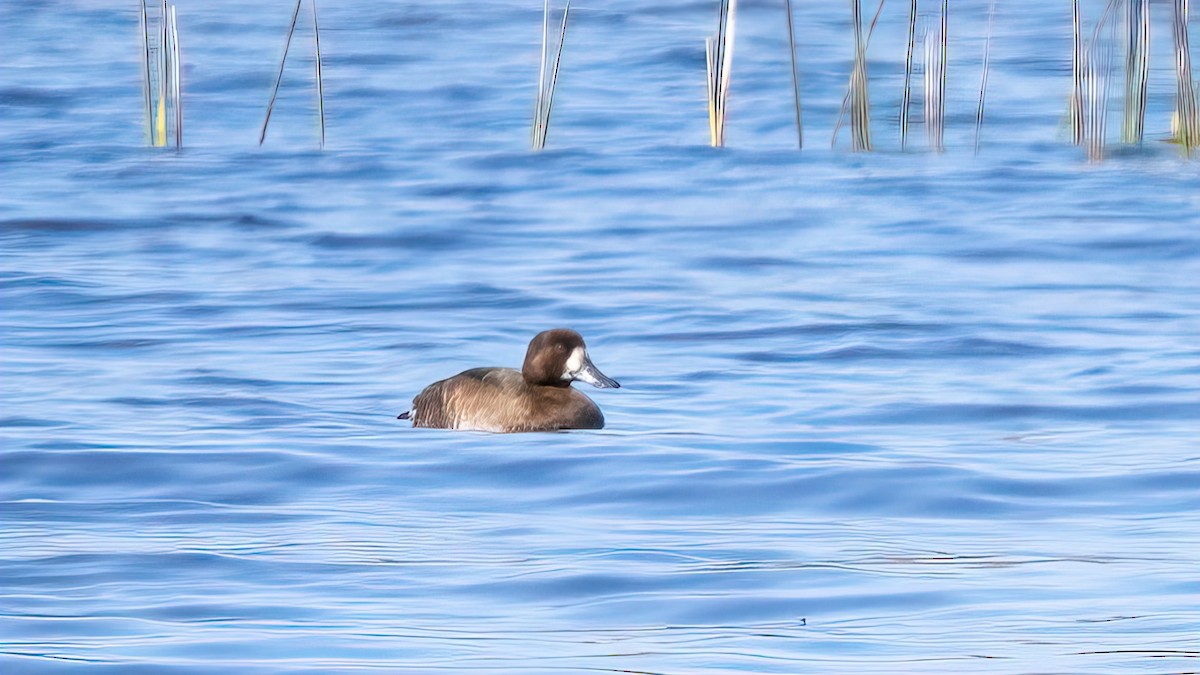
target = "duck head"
x: 558, y: 357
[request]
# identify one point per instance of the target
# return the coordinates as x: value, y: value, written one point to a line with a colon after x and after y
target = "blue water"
x: 880, y: 413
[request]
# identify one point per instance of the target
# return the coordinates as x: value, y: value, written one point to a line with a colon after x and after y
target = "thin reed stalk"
x: 791, y: 33
x: 944, y: 35
x: 1091, y: 64
x: 908, y: 61
x: 1076, y: 105
x: 1097, y: 66
x: 719, y: 51
x: 279, y: 75
x: 160, y: 115
x: 320, y: 81
x: 837, y: 128
x: 175, y: 88
x: 537, y: 104
x: 1097, y: 74
x: 554, y: 75
x: 727, y: 62
x: 935, y: 82
x: 1092, y: 70
x: 1187, y: 120
x: 546, y: 86
x: 860, y: 104
x: 987, y: 51
x: 161, y: 83
x: 148, y: 96
x: 1137, y: 68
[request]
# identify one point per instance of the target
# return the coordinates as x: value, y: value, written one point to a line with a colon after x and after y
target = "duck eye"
x: 560, y: 346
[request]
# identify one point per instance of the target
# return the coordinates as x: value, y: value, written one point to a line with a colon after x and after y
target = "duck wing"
x: 481, y: 399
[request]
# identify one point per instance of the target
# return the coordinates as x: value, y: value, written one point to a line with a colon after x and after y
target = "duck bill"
x: 591, y: 374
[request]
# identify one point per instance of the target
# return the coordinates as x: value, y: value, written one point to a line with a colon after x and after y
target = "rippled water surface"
x: 880, y: 413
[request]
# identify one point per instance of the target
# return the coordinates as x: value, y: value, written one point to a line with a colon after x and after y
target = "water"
x: 880, y: 413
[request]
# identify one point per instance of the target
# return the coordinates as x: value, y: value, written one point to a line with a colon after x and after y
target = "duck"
x: 538, y: 397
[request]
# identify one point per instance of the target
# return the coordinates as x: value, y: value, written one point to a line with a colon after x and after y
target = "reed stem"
x: 161, y: 81
x: 712, y: 49
x: 160, y: 114
x: 837, y: 128
x: 860, y: 116
x: 146, y: 80
x: 1137, y: 68
x: 726, y: 64
x: 1077, y: 130
x: 1188, y: 123
x: 537, y: 104
x: 719, y: 52
x: 935, y: 82
x: 279, y: 75
x: 176, y: 87
x: 987, y: 51
x: 549, y: 97
x: 320, y: 81
x: 908, y: 60
x: 1098, y: 69
x: 791, y: 33
x: 545, y: 98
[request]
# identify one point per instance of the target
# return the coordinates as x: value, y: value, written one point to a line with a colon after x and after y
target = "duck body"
x: 500, y: 400
x: 539, y: 397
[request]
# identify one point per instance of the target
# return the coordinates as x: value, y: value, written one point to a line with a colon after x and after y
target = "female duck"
x: 538, y: 397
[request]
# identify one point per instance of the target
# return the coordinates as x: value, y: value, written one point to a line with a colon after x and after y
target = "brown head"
x: 558, y: 357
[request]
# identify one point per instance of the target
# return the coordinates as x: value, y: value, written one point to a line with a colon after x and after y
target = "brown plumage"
x: 539, y: 397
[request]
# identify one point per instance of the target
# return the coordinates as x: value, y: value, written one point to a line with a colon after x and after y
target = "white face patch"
x: 575, y: 363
